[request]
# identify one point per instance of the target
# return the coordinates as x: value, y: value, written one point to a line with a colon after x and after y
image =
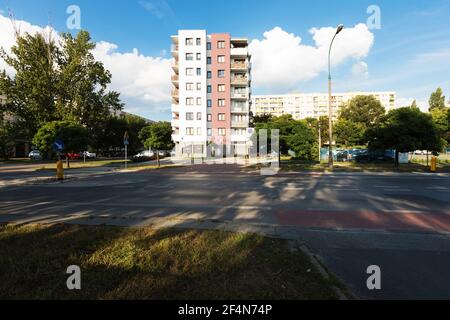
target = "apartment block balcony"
x: 236, y: 109
x: 240, y: 96
x: 175, y: 106
x: 239, y: 123
x: 239, y: 52
x: 175, y: 66
x: 240, y: 80
x: 240, y: 66
x: 175, y: 80
x: 175, y: 122
x: 175, y: 93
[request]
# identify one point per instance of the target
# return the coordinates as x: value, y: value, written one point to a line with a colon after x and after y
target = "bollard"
x: 433, y: 164
x: 59, y: 171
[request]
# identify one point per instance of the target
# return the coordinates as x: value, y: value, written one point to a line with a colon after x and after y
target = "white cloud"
x: 143, y: 81
x: 360, y: 70
x: 406, y: 102
x: 281, y: 60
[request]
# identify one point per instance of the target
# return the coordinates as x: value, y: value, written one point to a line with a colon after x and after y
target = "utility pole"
x: 330, y: 113
x: 320, y: 141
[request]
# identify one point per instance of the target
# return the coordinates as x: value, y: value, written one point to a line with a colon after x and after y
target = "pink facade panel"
x: 221, y: 76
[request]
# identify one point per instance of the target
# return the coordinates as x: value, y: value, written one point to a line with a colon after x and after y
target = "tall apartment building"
x: 211, y: 91
x: 312, y: 105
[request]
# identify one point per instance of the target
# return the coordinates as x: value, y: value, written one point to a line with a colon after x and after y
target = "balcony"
x: 175, y: 122
x: 236, y: 109
x: 240, y: 80
x: 175, y: 80
x: 175, y: 66
x: 239, y: 66
x: 239, y: 123
x: 175, y: 93
x: 241, y: 96
x: 175, y: 107
x: 239, y: 52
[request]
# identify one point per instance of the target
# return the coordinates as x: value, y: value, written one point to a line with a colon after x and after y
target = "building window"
x: 221, y: 88
x: 189, y: 41
x: 209, y: 132
x: 240, y: 90
x: 199, y: 86
x: 189, y: 56
x: 208, y: 60
x: 199, y: 56
x: 199, y: 101
x: 198, y: 41
x: 189, y: 116
x: 199, y: 71
x: 208, y: 46
x: 221, y: 102
x: 209, y: 117
x: 209, y: 103
x: 220, y: 44
x: 222, y: 132
x: 208, y: 89
x: 189, y: 101
x: 221, y: 73
x: 221, y: 117
x: 189, y: 86
x: 189, y: 71
x: 199, y: 131
x: 190, y: 131
x: 199, y: 116
x: 221, y: 59
x: 209, y: 75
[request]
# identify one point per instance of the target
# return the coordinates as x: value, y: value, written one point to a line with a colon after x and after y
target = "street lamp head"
x: 339, y: 28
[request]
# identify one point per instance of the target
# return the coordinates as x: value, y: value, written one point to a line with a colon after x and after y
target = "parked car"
x: 88, y: 155
x: 144, y: 156
x: 342, y: 156
x: 71, y: 156
x: 35, y: 155
x: 374, y: 156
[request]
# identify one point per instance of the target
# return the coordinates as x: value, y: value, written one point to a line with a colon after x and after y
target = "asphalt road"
x: 399, y: 222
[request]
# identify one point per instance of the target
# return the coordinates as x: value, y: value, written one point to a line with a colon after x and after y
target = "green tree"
x: 157, y: 136
x: 303, y: 141
x: 405, y: 130
x: 437, y: 100
x: 82, y: 83
x: 54, y: 82
x: 32, y: 90
x: 349, y: 133
x: 7, y: 137
x: 74, y: 137
x: 363, y: 109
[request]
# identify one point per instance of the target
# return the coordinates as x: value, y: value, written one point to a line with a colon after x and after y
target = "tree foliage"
x: 73, y: 135
x: 349, y: 133
x: 56, y: 82
x: 437, y: 100
x: 405, y: 130
x: 366, y: 110
x: 157, y: 136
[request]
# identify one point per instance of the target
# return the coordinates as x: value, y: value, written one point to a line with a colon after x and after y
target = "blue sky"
x: 410, y: 54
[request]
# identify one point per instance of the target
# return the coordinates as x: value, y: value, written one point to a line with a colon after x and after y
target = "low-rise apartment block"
x: 211, y: 91
x: 311, y: 105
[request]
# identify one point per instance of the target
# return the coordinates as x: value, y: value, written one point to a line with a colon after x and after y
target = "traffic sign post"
x: 126, y: 142
x: 58, y: 146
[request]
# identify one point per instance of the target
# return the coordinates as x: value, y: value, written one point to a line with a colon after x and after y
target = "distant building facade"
x: 312, y: 105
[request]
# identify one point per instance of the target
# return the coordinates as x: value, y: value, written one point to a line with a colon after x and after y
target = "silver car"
x: 35, y: 155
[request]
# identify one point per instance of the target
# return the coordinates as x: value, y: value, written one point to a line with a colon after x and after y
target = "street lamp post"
x: 330, y: 119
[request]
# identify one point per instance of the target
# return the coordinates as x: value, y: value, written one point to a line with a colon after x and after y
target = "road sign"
x: 126, y: 139
x: 58, y: 145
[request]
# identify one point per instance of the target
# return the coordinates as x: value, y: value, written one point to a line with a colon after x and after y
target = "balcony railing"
x: 175, y: 78
x: 239, y: 123
x: 175, y: 93
x: 239, y: 80
x: 174, y: 48
x: 239, y: 109
x: 239, y: 65
x: 239, y: 95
